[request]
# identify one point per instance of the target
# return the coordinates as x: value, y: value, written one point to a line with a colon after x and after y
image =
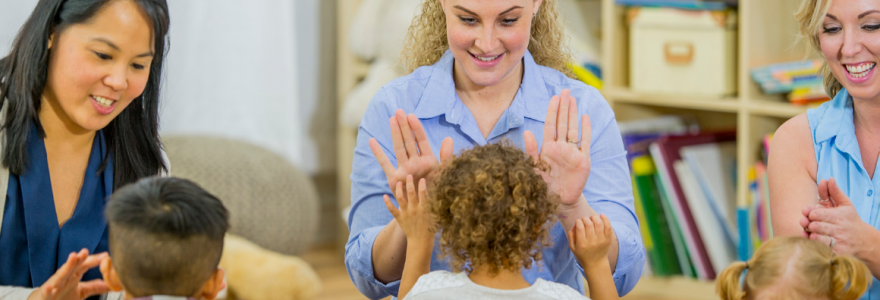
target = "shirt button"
x: 870, y: 192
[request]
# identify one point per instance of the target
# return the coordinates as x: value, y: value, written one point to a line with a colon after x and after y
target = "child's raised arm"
x: 418, y: 225
x: 590, y: 239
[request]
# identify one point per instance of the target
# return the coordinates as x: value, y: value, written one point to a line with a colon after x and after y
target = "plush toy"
x: 253, y: 273
x: 377, y: 33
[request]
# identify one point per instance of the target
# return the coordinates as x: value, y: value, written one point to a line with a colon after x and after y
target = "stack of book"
x: 589, y: 73
x: 753, y: 216
x: 682, y: 4
x: 684, y: 185
x: 801, y: 80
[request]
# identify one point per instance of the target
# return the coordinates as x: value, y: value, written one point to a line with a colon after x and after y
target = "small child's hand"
x: 413, y: 216
x: 590, y: 239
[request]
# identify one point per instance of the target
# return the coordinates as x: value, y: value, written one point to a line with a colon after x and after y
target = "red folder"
x: 669, y: 149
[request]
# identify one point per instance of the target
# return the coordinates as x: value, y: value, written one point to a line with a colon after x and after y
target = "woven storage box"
x: 690, y: 52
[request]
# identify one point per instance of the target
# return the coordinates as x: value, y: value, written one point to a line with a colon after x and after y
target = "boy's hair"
x: 166, y: 236
x: 795, y: 268
x: 492, y: 209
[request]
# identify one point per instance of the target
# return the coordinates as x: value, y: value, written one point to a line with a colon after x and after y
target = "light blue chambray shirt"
x: 838, y: 156
x: 429, y: 93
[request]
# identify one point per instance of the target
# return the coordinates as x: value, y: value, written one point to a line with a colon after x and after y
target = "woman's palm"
x: 65, y: 283
x: 568, y: 171
x: 419, y: 167
x: 411, y: 149
x: 569, y: 165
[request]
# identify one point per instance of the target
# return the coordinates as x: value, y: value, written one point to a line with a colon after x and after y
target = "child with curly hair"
x: 493, y: 211
x: 795, y: 268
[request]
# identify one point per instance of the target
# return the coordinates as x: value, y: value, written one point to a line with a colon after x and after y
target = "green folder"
x: 664, y: 260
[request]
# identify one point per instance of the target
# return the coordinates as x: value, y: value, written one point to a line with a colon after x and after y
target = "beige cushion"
x: 270, y: 202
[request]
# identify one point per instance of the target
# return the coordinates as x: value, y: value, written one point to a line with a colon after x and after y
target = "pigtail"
x: 850, y: 278
x: 727, y: 283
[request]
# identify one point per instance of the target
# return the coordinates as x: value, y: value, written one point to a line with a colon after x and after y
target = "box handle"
x: 679, y: 53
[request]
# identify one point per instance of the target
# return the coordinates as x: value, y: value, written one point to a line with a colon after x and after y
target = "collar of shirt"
x: 837, y: 122
x: 530, y: 101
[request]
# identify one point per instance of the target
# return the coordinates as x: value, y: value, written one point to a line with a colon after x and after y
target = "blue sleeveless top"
x: 32, y: 246
x: 838, y: 156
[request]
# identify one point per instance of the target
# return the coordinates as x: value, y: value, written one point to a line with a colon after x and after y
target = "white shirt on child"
x: 443, y: 284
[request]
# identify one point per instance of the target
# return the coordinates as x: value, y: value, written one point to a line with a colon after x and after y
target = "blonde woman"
x: 485, y: 72
x: 822, y: 163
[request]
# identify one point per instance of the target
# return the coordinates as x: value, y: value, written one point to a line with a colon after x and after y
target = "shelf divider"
x: 719, y: 104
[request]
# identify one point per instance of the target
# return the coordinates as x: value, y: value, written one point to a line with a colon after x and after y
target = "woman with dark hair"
x: 79, y: 94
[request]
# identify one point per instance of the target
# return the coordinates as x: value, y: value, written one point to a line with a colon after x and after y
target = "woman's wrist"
x: 575, y: 210
x: 871, y: 252
x: 582, y: 200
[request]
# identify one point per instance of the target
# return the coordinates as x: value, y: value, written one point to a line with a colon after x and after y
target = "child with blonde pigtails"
x: 794, y: 268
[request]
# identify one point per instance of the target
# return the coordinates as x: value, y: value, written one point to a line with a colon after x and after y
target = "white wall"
x: 13, y: 13
x: 232, y: 72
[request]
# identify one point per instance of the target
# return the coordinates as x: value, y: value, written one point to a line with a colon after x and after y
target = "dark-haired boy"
x: 166, y: 238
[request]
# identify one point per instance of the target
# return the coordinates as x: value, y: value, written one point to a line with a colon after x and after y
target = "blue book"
x: 636, y: 144
x: 775, y: 87
x: 682, y: 4
x: 786, y: 66
x: 744, y: 249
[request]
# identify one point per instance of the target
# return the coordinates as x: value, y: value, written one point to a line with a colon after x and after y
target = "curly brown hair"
x: 492, y: 209
x: 426, y: 40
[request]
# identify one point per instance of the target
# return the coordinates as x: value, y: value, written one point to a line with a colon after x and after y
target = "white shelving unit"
x: 767, y: 34
x: 350, y: 70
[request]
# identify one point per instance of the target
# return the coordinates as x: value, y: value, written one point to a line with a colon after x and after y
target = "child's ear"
x: 109, y: 274
x: 214, y: 285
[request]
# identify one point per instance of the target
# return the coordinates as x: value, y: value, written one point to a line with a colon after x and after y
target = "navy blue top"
x: 33, y: 246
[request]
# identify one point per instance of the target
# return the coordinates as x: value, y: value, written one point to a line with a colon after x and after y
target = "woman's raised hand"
x: 65, y: 283
x: 412, y: 149
x: 837, y: 220
x: 569, y: 164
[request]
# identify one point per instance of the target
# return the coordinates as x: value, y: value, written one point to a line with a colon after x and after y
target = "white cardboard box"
x: 683, y: 52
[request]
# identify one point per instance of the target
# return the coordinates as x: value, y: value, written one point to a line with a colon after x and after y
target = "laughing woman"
x: 823, y: 164
x: 484, y: 72
x: 79, y: 94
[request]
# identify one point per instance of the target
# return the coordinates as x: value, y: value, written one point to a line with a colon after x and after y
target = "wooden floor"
x: 328, y: 262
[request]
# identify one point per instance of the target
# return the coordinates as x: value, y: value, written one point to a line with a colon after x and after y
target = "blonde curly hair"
x: 426, y: 40
x: 810, y: 16
x: 492, y: 209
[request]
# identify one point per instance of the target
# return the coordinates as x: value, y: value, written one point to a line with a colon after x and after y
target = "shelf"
x: 776, y: 108
x: 725, y: 104
x: 766, y: 108
x: 672, y: 288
